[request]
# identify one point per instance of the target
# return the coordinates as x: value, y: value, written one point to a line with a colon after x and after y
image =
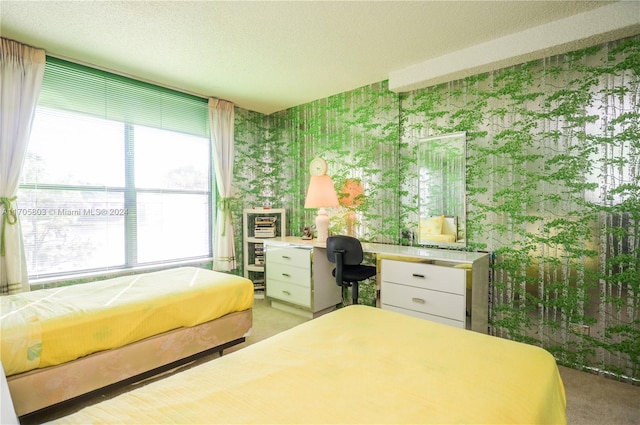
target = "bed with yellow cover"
x: 59, y: 343
x: 358, y: 365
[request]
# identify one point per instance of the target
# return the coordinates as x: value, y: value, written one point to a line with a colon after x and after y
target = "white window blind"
x: 117, y: 174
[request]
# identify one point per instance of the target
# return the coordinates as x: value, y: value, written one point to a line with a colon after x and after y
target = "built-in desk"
x: 433, y: 284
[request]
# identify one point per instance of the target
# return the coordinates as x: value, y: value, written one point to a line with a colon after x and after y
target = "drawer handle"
x: 286, y: 257
x: 418, y: 300
x: 286, y: 292
x: 421, y: 276
x: 286, y: 275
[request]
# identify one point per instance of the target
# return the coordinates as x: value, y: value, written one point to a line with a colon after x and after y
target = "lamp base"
x: 322, y: 225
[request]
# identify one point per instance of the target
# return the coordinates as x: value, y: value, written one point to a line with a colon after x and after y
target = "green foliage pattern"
x: 553, y: 187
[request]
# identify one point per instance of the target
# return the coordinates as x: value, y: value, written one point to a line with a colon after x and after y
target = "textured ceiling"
x: 267, y: 56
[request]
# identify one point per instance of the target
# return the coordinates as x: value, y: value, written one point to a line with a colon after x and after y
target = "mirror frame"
x: 460, y: 212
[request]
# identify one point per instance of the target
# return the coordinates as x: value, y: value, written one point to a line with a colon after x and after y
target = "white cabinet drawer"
x: 289, y: 292
x: 289, y: 256
x: 435, y: 303
x: 424, y: 316
x: 287, y: 273
x: 428, y: 276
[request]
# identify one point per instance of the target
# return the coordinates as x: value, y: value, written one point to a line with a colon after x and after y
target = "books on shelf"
x: 266, y: 233
x: 265, y: 227
x: 258, y: 288
x: 258, y: 258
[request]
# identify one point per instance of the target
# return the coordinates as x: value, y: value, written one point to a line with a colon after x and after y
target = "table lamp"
x: 321, y: 194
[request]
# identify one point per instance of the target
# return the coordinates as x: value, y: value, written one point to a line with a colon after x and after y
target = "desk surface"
x: 392, y: 250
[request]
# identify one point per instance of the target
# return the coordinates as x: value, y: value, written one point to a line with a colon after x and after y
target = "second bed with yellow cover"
x: 356, y: 365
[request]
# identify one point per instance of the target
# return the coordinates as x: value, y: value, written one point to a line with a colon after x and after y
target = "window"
x: 117, y: 175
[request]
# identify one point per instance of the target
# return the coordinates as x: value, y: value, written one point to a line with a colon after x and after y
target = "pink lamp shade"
x: 321, y: 194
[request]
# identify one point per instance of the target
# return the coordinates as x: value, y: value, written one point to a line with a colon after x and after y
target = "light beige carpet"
x: 591, y: 399
x: 596, y: 400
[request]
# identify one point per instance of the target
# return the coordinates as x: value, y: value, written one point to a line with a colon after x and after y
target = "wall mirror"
x: 441, y: 190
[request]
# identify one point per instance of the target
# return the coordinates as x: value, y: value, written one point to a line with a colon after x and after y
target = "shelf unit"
x: 253, y: 245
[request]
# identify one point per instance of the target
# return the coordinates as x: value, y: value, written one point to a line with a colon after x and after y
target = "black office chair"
x: 346, y: 253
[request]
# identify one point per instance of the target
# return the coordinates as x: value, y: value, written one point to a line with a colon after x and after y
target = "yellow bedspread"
x: 53, y: 326
x: 356, y: 365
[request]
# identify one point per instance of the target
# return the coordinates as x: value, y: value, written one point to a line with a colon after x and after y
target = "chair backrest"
x: 349, y: 247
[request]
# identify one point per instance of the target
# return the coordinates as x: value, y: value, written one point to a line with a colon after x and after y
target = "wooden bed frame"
x: 37, y: 389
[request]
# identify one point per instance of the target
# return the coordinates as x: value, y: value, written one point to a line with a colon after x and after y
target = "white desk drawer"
x: 286, y: 291
x: 288, y: 273
x: 289, y: 256
x: 428, y: 276
x: 426, y: 301
x: 424, y: 316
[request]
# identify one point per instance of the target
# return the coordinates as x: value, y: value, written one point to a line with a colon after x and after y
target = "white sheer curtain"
x: 221, y: 120
x: 21, y: 72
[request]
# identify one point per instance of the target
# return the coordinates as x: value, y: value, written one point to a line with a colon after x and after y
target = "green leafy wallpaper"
x: 553, y: 187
